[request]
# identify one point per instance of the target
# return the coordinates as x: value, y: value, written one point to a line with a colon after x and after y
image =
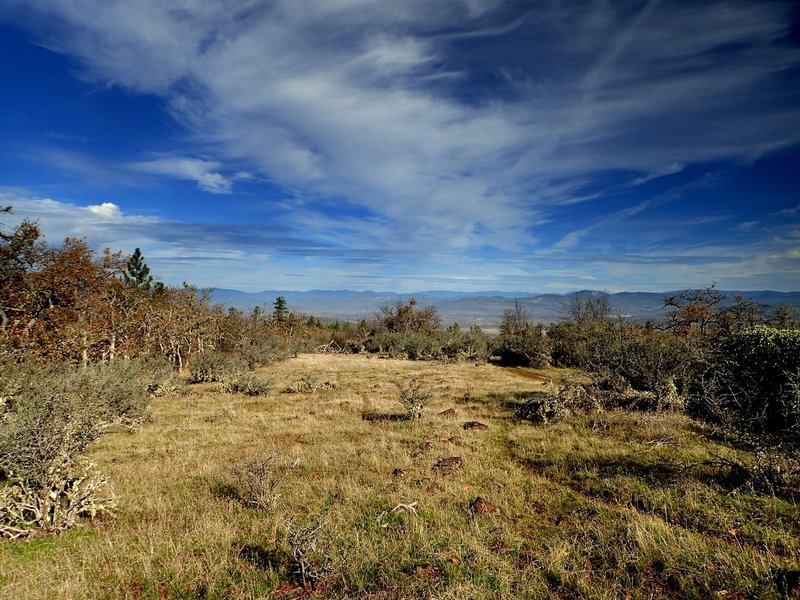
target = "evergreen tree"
x: 281, y: 309
x: 137, y: 272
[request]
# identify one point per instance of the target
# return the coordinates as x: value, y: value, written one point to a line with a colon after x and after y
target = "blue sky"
x: 412, y: 145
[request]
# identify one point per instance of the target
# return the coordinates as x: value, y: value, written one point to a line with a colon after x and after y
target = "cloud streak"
x: 417, y: 115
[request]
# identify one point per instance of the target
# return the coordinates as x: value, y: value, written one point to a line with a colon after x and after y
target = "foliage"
x: 256, y: 481
x: 407, y: 318
x: 136, y: 272
x: 452, y: 344
x: 413, y: 398
x: 752, y: 386
x: 70, y: 303
x: 281, y: 310
x: 213, y: 366
x: 520, y: 341
x: 647, y: 360
x: 248, y: 384
x: 51, y: 414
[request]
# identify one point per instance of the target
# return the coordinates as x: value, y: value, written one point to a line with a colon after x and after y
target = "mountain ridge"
x: 484, y: 309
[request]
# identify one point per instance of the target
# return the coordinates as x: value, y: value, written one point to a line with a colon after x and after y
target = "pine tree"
x: 281, y: 311
x: 137, y: 272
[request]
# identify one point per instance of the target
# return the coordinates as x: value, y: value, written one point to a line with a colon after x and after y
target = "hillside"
x: 223, y: 495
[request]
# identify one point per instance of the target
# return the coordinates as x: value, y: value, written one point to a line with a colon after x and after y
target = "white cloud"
x: 203, y: 172
x: 106, y: 209
x: 377, y: 102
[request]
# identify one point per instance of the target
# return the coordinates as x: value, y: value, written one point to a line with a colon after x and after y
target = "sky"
x: 540, y: 146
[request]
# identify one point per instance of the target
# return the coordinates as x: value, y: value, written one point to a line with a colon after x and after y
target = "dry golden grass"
x: 594, y: 507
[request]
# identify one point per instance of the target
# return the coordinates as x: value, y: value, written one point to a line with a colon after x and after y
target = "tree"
x: 516, y: 321
x: 20, y: 254
x: 587, y: 309
x: 407, y: 318
x: 695, y: 310
x: 281, y: 310
x: 137, y: 273
x: 521, y: 342
x: 741, y: 315
x: 784, y: 317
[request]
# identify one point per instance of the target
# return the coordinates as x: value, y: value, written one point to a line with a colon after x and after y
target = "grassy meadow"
x: 331, y: 493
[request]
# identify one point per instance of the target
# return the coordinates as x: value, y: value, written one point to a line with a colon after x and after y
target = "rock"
x: 448, y: 465
x: 481, y: 506
x: 450, y: 413
x: 422, y: 449
x: 475, y: 426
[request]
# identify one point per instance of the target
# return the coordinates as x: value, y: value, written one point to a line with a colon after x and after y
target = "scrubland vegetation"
x: 153, y: 445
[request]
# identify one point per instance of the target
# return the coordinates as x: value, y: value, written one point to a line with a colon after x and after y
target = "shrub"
x: 413, y: 398
x: 752, y: 385
x: 69, y: 495
x: 648, y: 361
x: 257, y: 480
x: 212, y: 366
x: 50, y: 418
x: 307, y: 384
x: 448, y: 345
x: 520, y: 341
x: 265, y: 351
x: 248, y: 384
x: 529, y: 348
x: 570, y: 399
x: 310, y: 562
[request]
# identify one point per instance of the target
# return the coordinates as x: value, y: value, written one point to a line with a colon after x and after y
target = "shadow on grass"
x: 725, y: 476
x: 383, y: 417
x: 260, y: 557
x: 508, y: 401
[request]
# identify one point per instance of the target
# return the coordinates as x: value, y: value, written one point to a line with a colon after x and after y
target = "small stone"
x: 450, y: 413
x: 449, y: 464
x: 481, y: 506
x: 475, y: 426
x: 423, y: 448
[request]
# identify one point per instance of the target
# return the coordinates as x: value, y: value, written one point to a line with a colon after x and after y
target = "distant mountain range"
x: 484, y: 309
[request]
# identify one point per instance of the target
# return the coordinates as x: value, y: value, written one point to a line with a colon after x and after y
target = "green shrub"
x: 213, y: 366
x: 529, y: 348
x: 413, y: 398
x: 49, y: 418
x: 256, y: 481
x: 248, y: 384
x: 449, y: 345
x: 752, y: 385
x: 648, y: 361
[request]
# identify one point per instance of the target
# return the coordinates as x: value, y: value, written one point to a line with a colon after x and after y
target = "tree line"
x: 68, y: 302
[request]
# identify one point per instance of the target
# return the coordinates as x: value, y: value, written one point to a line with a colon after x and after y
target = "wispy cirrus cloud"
x: 440, y: 124
x: 336, y: 97
x: 205, y: 173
